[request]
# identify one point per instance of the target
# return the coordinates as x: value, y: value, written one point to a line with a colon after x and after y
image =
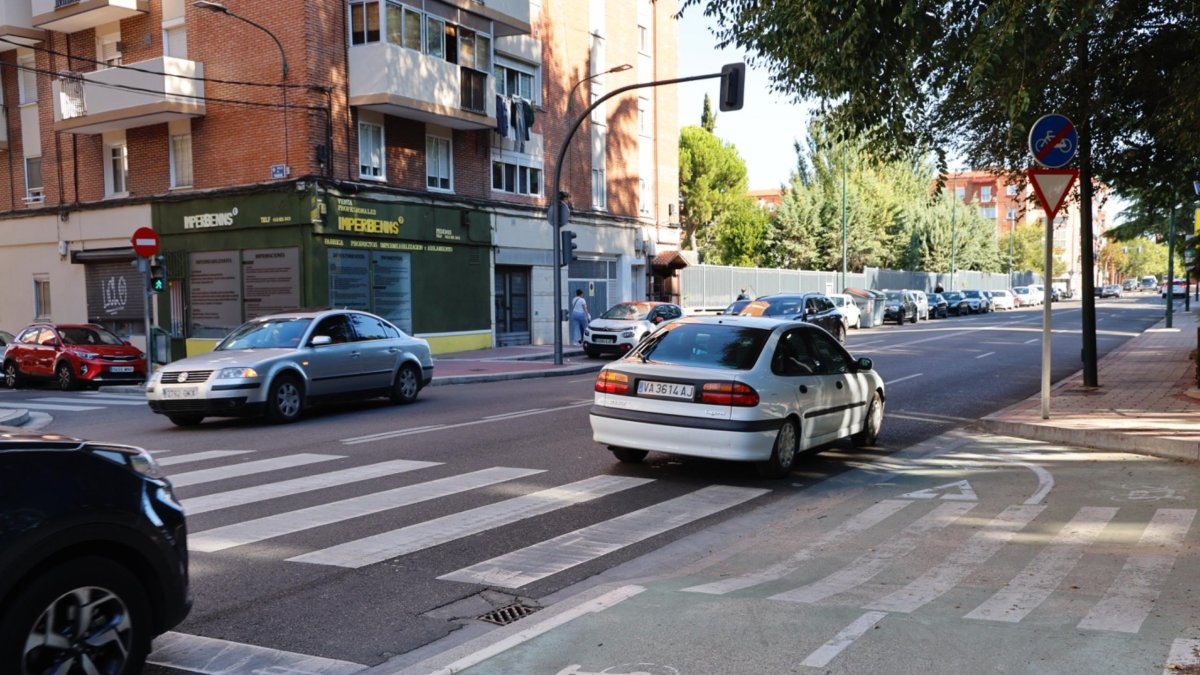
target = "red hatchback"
x: 74, y: 355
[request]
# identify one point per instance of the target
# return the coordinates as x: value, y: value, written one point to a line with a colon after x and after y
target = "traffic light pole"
x: 147, y: 297
x: 559, y: 305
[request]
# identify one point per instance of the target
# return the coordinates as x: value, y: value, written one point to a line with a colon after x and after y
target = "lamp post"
x: 1171, y: 263
x: 615, y: 69
x: 222, y: 9
x: 953, y: 230
x: 843, y: 212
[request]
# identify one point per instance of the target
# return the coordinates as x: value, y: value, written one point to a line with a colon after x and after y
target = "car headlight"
x: 627, y: 334
x: 237, y: 373
x: 87, y: 355
x: 136, y: 459
x: 587, y: 331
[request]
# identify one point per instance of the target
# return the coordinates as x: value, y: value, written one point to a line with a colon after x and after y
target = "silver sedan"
x: 279, y: 364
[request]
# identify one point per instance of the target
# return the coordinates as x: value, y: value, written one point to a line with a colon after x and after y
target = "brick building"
x: 390, y: 155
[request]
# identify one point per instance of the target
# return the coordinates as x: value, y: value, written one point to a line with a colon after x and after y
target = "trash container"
x: 871, y: 306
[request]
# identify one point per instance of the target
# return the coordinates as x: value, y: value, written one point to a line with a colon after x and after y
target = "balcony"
x: 70, y: 16
x: 405, y: 83
x: 511, y: 17
x: 16, y: 25
x: 120, y: 98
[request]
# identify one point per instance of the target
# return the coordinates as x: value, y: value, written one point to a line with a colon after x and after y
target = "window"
x: 961, y: 193
x: 175, y: 41
x: 364, y: 22
x: 370, y: 151
x: 181, y: 160
x: 404, y: 26
x: 988, y: 212
x: 644, y: 116
x: 1012, y: 213
x: 33, y: 180
x: 466, y: 47
x: 41, y: 296
x: 1010, y: 190
x: 643, y: 39
x: 116, y: 169
x: 516, y: 178
x: 109, y: 50
x: 985, y: 194
x: 643, y: 197
x: 27, y: 83
x: 437, y: 163
x: 435, y: 37
x: 512, y: 80
x: 599, y: 189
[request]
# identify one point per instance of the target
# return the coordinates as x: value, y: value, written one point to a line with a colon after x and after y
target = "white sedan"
x: 739, y: 388
x: 1002, y: 299
x: 849, y: 309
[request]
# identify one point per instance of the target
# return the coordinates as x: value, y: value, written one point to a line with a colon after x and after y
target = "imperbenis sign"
x: 204, y: 221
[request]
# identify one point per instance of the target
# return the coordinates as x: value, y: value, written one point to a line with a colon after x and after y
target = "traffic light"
x: 733, y: 86
x: 158, y: 275
x: 568, y: 247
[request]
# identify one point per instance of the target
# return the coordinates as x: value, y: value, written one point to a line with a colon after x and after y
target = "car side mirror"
x: 865, y: 363
x: 319, y: 340
x: 658, y: 319
x: 50, y: 343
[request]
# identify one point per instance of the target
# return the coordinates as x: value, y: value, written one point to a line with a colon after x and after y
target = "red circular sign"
x: 145, y: 242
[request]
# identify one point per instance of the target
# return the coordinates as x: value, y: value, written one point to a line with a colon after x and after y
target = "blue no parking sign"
x: 1053, y: 141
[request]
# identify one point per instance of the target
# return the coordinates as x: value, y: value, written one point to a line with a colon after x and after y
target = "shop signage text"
x: 386, y: 245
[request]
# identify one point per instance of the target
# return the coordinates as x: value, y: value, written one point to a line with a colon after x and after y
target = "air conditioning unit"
x: 651, y: 247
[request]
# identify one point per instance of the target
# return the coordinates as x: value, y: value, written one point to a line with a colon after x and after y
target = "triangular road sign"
x: 1052, y: 186
x: 965, y: 492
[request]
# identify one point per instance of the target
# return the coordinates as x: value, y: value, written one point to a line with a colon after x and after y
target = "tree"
x: 708, y: 119
x: 739, y: 236
x: 712, y: 179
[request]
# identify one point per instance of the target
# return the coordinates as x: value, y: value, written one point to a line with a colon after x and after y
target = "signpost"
x: 145, y: 244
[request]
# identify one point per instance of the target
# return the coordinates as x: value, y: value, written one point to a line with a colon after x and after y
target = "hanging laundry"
x: 501, y: 116
x: 528, y: 117
x: 519, y: 125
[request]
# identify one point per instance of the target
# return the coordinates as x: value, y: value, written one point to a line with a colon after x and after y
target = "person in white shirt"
x: 579, y: 316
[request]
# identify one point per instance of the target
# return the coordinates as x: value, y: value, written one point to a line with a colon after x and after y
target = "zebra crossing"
x: 83, y: 401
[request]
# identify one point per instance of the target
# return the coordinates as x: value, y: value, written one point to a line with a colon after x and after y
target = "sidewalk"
x: 510, y: 363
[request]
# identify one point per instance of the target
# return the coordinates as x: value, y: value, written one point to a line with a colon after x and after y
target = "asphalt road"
x: 278, y: 515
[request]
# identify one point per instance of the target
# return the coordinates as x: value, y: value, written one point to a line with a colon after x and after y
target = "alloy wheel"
x: 85, y: 630
x: 287, y: 399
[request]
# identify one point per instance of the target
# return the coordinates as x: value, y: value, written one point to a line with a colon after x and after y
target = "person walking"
x: 579, y: 316
x: 743, y: 295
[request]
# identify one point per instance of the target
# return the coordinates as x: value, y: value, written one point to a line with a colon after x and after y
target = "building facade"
x: 390, y: 155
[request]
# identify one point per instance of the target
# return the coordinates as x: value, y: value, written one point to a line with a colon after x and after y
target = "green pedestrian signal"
x: 158, y: 277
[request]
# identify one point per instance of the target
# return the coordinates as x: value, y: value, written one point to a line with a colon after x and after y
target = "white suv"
x: 922, y: 302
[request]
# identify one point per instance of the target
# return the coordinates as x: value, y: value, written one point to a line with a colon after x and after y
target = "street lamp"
x: 615, y: 69
x: 953, y: 229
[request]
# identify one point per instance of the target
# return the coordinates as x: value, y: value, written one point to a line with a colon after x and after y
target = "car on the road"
x: 1149, y: 283
x: 900, y: 306
x: 625, y: 324
x: 1028, y: 296
x: 1003, y: 299
x: 849, y: 309
x: 956, y: 303
x: 1129, y: 285
x: 278, y: 365
x: 977, y: 302
x: 740, y: 388
x: 939, y: 308
x: 1178, y: 288
x: 814, y: 308
x: 93, y: 555
x: 73, y: 355
x: 1110, y: 291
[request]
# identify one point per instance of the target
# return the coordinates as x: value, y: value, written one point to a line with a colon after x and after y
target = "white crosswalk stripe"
x: 175, y: 460
x: 247, y: 469
x: 92, y: 400
x: 33, y: 405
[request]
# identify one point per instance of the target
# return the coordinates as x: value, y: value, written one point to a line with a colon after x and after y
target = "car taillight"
x: 729, y: 393
x: 609, y: 382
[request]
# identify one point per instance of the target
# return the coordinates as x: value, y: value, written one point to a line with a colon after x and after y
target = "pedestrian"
x: 743, y: 295
x: 579, y: 316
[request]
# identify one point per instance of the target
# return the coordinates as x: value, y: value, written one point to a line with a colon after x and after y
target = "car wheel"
x: 12, y: 375
x: 628, y: 455
x: 783, y: 453
x: 66, y: 379
x: 871, y: 425
x: 839, y: 333
x: 407, y: 384
x: 915, y: 317
x: 185, y: 420
x: 284, y: 400
x: 900, y: 319
x: 86, y: 615
x: 591, y: 353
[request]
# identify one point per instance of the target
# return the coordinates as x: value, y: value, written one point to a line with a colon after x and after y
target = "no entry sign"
x: 145, y: 242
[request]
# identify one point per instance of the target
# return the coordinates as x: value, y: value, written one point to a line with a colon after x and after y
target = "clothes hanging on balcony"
x: 519, y: 124
x: 528, y: 105
x: 501, y: 116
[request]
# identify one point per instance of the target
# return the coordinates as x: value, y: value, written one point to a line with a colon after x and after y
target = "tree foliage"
x: 712, y: 180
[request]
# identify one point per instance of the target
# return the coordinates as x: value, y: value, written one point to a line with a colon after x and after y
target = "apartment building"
x: 390, y: 155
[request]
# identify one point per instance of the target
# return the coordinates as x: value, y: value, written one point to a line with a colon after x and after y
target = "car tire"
x: 900, y: 319
x: 406, y: 385
x: 783, y: 452
x: 64, y: 376
x: 591, y: 353
x: 186, y: 420
x: 915, y: 317
x: 839, y: 333
x: 872, y: 424
x: 628, y: 455
x: 119, y: 626
x: 285, y: 400
x: 12, y: 375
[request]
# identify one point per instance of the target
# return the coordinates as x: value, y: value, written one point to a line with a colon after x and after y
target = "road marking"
x: 519, y: 413
x: 198, y: 654
x: 250, y: 531
x: 527, y: 565
x: 141, y: 398
x: 914, y: 414
x: 983, y: 356
x: 30, y: 405
x: 958, y: 565
x: 1131, y: 597
x: 1028, y: 342
x: 442, y: 427
x: 199, y: 456
x: 248, y: 468
x: 386, y: 434
x: 370, y: 550
x: 965, y: 493
x: 1045, y: 478
x: 866, y: 566
x: 1185, y: 655
x: 856, y: 524
x: 901, y: 379
x: 1044, y: 573
x: 259, y: 493
x: 71, y: 400
x: 829, y: 651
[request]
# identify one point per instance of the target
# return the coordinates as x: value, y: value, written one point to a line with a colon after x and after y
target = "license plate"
x: 665, y: 389
x: 604, y: 338
x: 121, y: 369
x: 180, y: 392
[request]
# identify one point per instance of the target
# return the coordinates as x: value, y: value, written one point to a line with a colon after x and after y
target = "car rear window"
x: 705, y: 345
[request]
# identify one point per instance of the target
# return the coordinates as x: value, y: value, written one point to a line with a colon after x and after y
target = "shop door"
x: 512, y: 306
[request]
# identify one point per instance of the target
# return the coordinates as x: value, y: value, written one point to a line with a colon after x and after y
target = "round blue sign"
x: 1053, y: 141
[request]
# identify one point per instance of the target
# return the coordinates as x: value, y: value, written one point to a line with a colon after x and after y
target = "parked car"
x: 922, y: 304
x: 814, y: 308
x: 280, y: 364
x: 1129, y: 285
x: 939, y: 308
x: 956, y: 303
x: 624, y: 325
x: 1003, y: 299
x: 93, y: 556
x: 1110, y: 291
x: 74, y: 355
x: 1178, y: 288
x: 743, y: 388
x: 900, y: 306
x: 735, y: 307
x: 849, y: 309
x: 977, y: 301
x: 1149, y: 283
x: 1027, y: 296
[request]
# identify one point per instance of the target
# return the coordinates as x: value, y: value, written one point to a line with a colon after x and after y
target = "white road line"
x: 370, y: 550
x: 958, y: 565
x: 866, y: 566
x: 260, y: 493
x: 250, y: 531
x: 1032, y: 341
x: 517, y: 413
x: 859, y: 522
x: 247, y: 469
x: 421, y: 430
x: 30, y: 405
x: 385, y: 434
x: 1185, y: 652
x: 73, y: 400
x: 527, y: 565
x: 198, y: 654
x: 935, y: 416
x: 1044, y: 573
x: 100, y: 394
x: 199, y: 456
x: 1131, y: 597
x: 829, y: 651
x: 921, y: 418
x: 901, y: 379
x: 984, y: 356
x: 1045, y: 478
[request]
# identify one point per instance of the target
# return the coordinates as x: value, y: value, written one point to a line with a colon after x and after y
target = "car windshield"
x: 895, y: 296
x: 952, y: 296
x: 1000, y: 294
x: 1021, y: 290
x: 971, y: 294
x: 268, y: 334
x: 705, y: 345
x: 735, y: 307
x: 88, y: 336
x: 628, y: 311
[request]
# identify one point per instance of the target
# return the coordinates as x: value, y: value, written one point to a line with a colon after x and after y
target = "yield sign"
x: 965, y: 492
x: 1052, y: 186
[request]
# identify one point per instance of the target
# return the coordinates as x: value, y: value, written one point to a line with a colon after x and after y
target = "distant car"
x: 73, y: 355
x: 920, y: 298
x: 280, y: 364
x: 740, y: 388
x: 735, y: 307
x: 1027, y: 296
x: 1003, y: 299
x: 1149, y: 283
x: 849, y: 309
x: 901, y: 306
x: 1178, y: 289
x: 1110, y: 291
x: 814, y: 308
x: 978, y: 302
x: 956, y: 303
x: 93, y: 556
x: 1129, y: 285
x: 624, y: 325
x: 939, y: 308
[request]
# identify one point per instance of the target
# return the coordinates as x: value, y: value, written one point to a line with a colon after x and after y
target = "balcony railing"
x: 71, y: 16
x: 405, y: 83
x: 142, y: 94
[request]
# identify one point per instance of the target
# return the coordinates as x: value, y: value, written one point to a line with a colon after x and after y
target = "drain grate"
x: 508, y: 614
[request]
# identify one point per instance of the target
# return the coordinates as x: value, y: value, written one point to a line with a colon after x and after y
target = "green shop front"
x: 234, y: 257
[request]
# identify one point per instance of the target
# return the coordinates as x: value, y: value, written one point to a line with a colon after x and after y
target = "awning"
x: 670, y: 259
x: 103, y: 255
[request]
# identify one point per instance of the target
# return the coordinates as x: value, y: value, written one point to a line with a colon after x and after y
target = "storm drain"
x: 509, y: 613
